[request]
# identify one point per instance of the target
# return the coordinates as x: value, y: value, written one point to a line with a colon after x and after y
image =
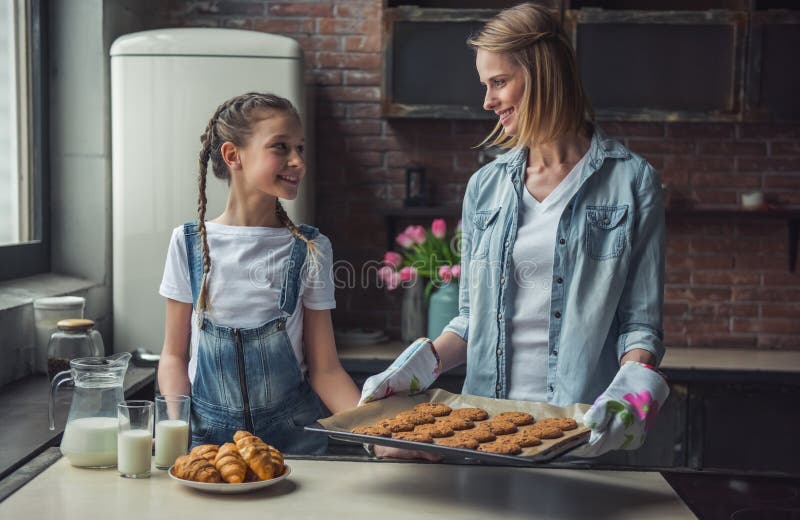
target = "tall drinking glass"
x: 172, y: 428
x: 135, y: 438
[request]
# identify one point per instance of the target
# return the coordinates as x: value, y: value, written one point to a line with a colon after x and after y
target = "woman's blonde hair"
x: 554, y: 102
x: 233, y: 121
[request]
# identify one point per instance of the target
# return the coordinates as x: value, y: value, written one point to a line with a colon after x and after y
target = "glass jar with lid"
x: 75, y: 338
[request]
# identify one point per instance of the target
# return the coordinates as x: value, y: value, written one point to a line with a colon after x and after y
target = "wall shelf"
x: 790, y: 216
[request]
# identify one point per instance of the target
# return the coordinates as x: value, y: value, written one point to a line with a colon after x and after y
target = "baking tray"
x: 338, y: 426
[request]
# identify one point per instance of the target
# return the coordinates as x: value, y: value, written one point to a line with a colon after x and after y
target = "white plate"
x: 225, y: 487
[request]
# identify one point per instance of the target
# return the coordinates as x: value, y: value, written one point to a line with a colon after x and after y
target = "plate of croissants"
x: 246, y: 464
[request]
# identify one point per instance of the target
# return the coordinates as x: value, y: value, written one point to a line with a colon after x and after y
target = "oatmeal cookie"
x: 562, y: 423
x: 456, y: 423
x: 525, y: 438
x: 471, y: 414
x: 518, y: 418
x: 435, y: 409
x: 458, y: 441
x: 396, y: 425
x: 416, y: 417
x: 413, y: 436
x: 546, y: 432
x: 504, y: 448
x: 500, y: 427
x: 479, y: 434
x: 435, y: 430
x: 376, y: 431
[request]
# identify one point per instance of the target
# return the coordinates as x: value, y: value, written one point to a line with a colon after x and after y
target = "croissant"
x: 255, y: 453
x: 230, y: 464
x: 196, y: 468
x: 277, y: 460
x: 207, y: 451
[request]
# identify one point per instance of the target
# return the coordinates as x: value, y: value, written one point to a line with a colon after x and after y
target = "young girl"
x: 248, y: 325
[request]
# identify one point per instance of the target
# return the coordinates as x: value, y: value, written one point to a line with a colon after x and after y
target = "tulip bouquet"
x: 430, y: 254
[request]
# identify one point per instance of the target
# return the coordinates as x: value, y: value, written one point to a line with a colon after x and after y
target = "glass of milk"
x: 172, y: 428
x: 134, y: 438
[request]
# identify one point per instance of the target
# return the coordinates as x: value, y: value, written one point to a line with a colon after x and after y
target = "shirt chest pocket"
x: 483, y: 222
x: 605, y: 231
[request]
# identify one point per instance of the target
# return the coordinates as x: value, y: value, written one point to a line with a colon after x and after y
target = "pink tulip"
x: 445, y: 273
x: 456, y: 271
x: 385, y: 273
x: 404, y: 240
x: 393, y: 282
x: 408, y: 273
x: 417, y: 234
x: 439, y: 228
x: 393, y: 259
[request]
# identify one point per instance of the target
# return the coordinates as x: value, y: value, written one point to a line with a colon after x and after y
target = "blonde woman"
x: 563, y: 249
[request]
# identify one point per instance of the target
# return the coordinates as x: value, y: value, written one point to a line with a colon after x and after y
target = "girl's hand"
x: 383, y: 452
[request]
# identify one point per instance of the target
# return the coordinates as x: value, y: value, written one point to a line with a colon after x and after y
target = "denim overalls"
x: 249, y: 379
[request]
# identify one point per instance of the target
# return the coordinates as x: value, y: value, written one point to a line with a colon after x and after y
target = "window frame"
x: 33, y: 257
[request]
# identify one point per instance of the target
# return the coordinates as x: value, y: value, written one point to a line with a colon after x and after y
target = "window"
x: 24, y: 244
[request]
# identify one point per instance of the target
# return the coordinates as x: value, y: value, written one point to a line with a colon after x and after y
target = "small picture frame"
x: 416, y: 188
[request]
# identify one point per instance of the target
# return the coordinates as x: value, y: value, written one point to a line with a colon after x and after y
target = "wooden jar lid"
x: 75, y: 324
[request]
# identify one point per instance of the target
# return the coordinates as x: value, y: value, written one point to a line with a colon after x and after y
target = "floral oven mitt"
x: 413, y: 372
x: 621, y: 416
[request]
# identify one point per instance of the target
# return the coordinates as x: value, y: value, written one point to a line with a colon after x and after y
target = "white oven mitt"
x: 413, y: 372
x: 621, y: 416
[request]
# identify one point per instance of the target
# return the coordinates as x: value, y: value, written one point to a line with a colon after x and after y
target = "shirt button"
x: 498, y: 387
x: 499, y: 351
x: 606, y: 221
x: 562, y: 241
x: 550, y: 387
x: 502, y: 279
x: 508, y: 243
x: 557, y: 314
x: 560, y: 280
x: 555, y: 353
x: 499, y: 316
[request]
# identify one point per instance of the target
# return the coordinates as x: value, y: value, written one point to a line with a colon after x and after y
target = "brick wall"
x: 727, y: 279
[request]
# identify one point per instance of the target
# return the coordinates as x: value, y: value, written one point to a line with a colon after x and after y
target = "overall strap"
x: 293, y: 274
x: 194, y: 256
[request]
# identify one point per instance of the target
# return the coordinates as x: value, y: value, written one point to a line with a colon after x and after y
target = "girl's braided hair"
x: 233, y: 121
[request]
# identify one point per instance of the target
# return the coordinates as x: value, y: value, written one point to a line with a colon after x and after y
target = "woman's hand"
x: 412, y: 372
x: 621, y: 416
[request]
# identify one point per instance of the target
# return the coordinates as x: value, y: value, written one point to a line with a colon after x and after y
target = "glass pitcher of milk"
x: 90, y: 436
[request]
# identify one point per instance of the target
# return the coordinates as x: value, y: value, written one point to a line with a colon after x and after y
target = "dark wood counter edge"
x: 137, y: 379
x: 28, y: 471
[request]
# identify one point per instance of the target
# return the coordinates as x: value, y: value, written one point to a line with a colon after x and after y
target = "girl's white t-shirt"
x: 532, y: 259
x: 247, y: 267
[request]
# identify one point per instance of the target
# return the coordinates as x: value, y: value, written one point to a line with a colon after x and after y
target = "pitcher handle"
x: 58, y: 379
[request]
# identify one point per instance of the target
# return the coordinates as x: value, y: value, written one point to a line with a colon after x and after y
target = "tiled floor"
x: 719, y: 497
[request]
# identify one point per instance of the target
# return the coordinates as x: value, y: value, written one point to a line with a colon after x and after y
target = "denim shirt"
x: 607, y: 279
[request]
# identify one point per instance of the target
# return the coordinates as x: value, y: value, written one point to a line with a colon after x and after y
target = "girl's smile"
x: 272, y: 162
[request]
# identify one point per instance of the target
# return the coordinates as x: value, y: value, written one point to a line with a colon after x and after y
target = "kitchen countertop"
x: 318, y: 488
x: 701, y: 364
x: 23, y: 409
